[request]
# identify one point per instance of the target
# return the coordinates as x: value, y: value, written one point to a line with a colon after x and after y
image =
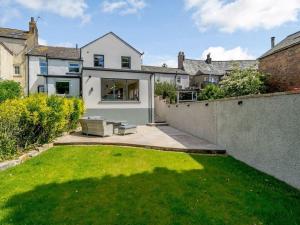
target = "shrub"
x: 166, y: 90
x: 211, y: 91
x: 37, y: 119
x: 243, y: 82
x: 9, y: 90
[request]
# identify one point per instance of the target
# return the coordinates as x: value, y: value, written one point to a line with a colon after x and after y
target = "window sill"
x: 119, y: 102
x: 17, y: 75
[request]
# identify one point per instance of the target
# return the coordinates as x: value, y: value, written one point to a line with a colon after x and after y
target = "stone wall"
x: 262, y: 131
x: 284, y: 68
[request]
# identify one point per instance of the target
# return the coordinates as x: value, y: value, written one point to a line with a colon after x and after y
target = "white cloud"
x: 65, y: 44
x: 232, y: 15
x: 123, y: 7
x: 220, y: 53
x: 66, y: 8
x: 42, y: 41
x: 154, y: 60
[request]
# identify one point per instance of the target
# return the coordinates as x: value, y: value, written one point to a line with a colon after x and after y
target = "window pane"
x: 62, y: 88
x: 43, y: 67
x: 74, y: 68
x: 17, y: 70
x: 99, y: 60
x: 126, y: 62
x: 119, y: 90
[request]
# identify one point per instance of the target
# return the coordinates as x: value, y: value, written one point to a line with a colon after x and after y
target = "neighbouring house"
x: 282, y: 63
x: 54, y: 70
x: 176, y: 76
x: 113, y: 83
x: 203, y: 72
x: 14, y: 44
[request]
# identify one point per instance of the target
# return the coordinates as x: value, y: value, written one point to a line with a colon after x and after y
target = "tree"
x: 211, y: 91
x: 9, y: 90
x: 166, y: 90
x: 243, y: 82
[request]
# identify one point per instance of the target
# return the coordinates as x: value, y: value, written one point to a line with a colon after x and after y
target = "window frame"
x: 126, y: 88
x: 19, y: 70
x: 123, y: 57
x: 41, y: 61
x: 74, y: 67
x: 62, y: 81
x: 95, y: 55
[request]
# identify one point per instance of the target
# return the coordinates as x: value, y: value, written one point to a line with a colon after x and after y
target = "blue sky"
x: 229, y: 29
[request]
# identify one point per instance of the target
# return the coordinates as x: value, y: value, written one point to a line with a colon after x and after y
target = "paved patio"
x: 162, y: 138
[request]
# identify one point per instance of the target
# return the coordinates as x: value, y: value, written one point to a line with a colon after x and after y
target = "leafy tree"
x: 211, y: 91
x: 9, y: 90
x: 243, y: 82
x: 166, y: 90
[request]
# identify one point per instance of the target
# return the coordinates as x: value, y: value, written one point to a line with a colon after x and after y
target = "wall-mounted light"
x: 206, y: 104
x: 90, y: 76
x: 176, y: 106
x: 188, y: 105
x: 240, y: 102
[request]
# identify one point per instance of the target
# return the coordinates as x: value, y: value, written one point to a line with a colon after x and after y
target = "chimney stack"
x: 181, y: 58
x: 32, y: 26
x: 208, y: 59
x: 272, y: 42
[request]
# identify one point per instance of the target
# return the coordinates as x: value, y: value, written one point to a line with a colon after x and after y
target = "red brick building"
x: 282, y: 63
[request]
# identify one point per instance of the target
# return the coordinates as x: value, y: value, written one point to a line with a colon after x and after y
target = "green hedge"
x: 166, y: 90
x: 9, y: 90
x: 37, y: 119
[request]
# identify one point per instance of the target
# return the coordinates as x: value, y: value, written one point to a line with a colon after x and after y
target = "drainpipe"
x: 151, y: 114
x: 47, y: 61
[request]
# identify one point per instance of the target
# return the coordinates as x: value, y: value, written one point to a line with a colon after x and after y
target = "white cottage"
x: 54, y: 70
x: 113, y: 83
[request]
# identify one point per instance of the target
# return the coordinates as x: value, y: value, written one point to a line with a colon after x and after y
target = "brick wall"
x: 284, y: 69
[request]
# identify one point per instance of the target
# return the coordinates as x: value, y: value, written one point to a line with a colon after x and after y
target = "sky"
x: 228, y: 29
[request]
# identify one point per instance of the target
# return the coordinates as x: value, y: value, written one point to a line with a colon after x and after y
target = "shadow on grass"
x: 160, y: 197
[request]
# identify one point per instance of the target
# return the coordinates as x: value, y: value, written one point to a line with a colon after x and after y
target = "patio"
x: 162, y: 138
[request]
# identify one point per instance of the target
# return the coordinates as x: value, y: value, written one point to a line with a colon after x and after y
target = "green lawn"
x: 120, y: 186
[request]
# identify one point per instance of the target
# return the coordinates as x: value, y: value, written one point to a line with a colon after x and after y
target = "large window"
x: 126, y: 62
x: 43, y: 67
x: 99, y: 61
x: 74, y: 67
x: 62, y: 87
x: 119, y: 90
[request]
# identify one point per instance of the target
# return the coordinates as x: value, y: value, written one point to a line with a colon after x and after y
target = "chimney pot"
x: 272, y: 42
x: 208, y: 59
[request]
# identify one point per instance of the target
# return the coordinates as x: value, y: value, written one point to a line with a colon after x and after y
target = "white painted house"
x: 55, y: 70
x: 113, y: 83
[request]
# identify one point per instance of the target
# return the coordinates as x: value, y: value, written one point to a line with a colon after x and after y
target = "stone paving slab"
x: 162, y: 138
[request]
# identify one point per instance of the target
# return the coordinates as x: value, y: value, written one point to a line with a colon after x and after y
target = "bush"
x: 243, y: 82
x: 37, y: 119
x: 9, y: 90
x: 166, y: 90
x: 211, y: 91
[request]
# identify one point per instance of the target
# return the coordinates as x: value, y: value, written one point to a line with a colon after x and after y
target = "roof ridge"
x: 293, y: 34
x: 162, y: 67
x: 8, y: 28
x: 50, y: 46
x: 203, y: 60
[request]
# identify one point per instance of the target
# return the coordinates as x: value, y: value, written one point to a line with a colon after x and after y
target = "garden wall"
x: 262, y: 131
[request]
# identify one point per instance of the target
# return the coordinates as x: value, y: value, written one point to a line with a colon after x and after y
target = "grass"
x: 117, y: 185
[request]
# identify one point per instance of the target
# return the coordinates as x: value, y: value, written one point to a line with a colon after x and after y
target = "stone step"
x: 157, y: 124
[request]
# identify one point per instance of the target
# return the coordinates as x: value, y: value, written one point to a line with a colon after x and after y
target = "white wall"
x: 263, y: 131
x: 6, y: 64
x: 112, y: 48
x: 171, y: 79
x: 91, y: 89
x: 55, y: 67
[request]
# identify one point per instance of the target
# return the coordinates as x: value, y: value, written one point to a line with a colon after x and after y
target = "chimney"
x: 32, y: 26
x: 272, y: 42
x: 208, y: 59
x: 181, y: 58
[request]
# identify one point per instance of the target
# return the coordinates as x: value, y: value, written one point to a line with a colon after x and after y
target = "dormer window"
x: 99, y: 61
x: 126, y: 62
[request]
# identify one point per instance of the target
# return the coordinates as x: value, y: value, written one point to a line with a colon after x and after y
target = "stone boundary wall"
x: 262, y: 131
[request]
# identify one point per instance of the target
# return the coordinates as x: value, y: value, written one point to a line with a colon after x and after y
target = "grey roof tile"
x: 198, y: 67
x: 157, y: 69
x: 291, y: 40
x: 13, y: 33
x: 56, y: 52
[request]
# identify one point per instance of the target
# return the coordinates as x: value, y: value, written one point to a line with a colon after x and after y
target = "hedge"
x: 9, y: 90
x: 35, y: 120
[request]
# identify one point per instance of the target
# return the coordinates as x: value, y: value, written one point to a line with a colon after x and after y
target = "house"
x: 14, y: 44
x: 203, y: 72
x: 282, y: 63
x: 113, y: 82
x: 176, y: 76
x: 54, y: 70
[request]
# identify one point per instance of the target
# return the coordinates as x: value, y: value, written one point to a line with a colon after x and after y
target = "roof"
x: 55, y: 52
x: 13, y: 33
x: 289, y: 41
x: 167, y: 70
x: 198, y: 67
x: 112, y: 33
